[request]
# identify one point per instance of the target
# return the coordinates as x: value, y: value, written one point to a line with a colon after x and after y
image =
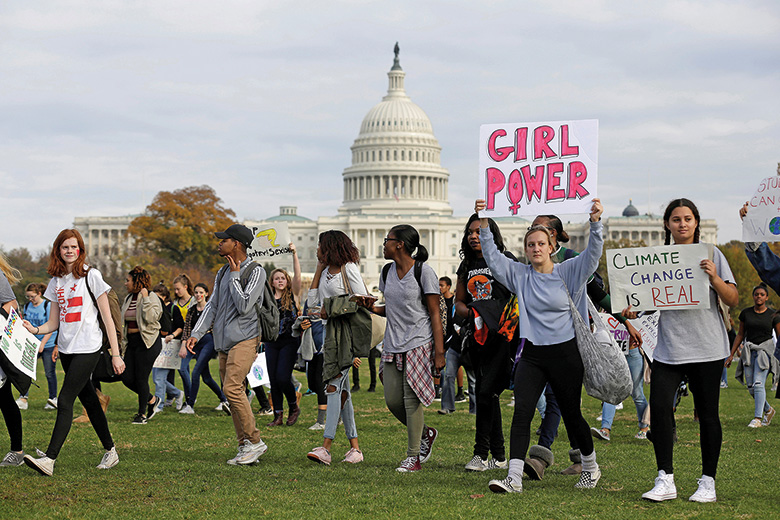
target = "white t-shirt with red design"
x: 79, y: 331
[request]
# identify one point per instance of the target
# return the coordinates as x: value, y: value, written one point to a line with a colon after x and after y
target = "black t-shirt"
x: 480, y: 284
x: 758, y: 327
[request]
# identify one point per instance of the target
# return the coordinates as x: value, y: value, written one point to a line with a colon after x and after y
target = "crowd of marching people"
x: 501, y: 325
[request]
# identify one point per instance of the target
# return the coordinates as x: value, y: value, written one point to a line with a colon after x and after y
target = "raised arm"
x: 500, y: 266
x: 296, y: 281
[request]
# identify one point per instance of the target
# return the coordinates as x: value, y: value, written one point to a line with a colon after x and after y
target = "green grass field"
x: 174, y: 467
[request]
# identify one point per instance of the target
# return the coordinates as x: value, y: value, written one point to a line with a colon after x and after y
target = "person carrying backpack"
x: 232, y: 314
x: 36, y: 311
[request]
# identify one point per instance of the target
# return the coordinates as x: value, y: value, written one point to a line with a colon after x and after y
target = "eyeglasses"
x: 30, y: 297
x: 388, y: 239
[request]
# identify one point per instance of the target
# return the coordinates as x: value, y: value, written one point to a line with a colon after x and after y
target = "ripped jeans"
x: 755, y: 378
x: 336, y: 410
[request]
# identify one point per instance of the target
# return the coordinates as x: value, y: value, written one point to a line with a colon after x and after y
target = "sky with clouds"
x: 105, y: 103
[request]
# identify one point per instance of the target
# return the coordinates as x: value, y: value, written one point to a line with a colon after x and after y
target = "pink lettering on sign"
x: 498, y: 154
x: 514, y: 190
x: 566, y: 149
x: 578, y: 174
x: 554, y: 171
x: 533, y: 183
x: 495, y: 183
x: 542, y: 137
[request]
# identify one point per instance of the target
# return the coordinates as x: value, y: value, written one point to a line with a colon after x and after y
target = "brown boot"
x: 534, y: 468
x: 278, y: 416
x: 292, y: 416
x: 576, y: 467
x: 104, y: 400
x: 83, y: 418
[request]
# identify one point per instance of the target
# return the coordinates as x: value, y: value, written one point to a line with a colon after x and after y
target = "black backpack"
x: 418, y: 277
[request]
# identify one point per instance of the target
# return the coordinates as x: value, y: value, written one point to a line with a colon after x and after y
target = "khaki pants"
x: 234, y: 365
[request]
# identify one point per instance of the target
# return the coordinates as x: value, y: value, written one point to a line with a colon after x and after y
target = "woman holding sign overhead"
x: 550, y: 352
x: 693, y: 344
x: 72, y: 291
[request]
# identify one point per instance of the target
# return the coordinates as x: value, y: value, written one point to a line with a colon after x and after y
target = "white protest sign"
x: 617, y: 329
x: 169, y: 355
x: 270, y: 240
x: 258, y: 374
x: 647, y: 325
x: 762, y: 222
x: 533, y: 168
x: 19, y: 346
x: 661, y: 277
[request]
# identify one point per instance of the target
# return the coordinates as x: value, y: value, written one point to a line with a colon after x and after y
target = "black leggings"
x: 492, y: 367
x: 561, y: 365
x: 314, y: 378
x: 138, y: 366
x: 78, y: 383
x: 280, y: 356
x: 704, y: 382
x: 12, y: 416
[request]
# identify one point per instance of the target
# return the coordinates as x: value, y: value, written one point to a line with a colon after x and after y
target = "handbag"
x: 606, y: 375
x: 104, y: 369
x: 378, y: 323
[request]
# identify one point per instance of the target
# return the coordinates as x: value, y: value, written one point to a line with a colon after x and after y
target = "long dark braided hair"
x: 681, y: 203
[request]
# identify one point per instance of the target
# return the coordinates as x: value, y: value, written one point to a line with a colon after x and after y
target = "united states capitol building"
x: 396, y: 177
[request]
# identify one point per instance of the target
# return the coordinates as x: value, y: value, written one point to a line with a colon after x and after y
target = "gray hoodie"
x: 231, y: 309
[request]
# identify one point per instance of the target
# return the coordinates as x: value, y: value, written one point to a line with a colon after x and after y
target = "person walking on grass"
x: 11, y: 414
x: 71, y: 292
x: 756, y: 325
x: 414, y: 340
x: 36, y: 311
x: 550, y: 354
x: 231, y: 314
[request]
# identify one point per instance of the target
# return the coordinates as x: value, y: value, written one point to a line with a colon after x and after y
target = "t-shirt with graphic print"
x: 79, y: 331
x: 480, y: 284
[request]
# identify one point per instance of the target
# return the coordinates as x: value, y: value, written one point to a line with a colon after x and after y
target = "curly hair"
x: 288, y: 298
x: 140, y: 279
x: 57, y: 265
x: 681, y: 203
x: 337, y: 249
x: 466, y: 253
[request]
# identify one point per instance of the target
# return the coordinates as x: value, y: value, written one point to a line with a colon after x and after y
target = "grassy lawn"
x: 174, y: 467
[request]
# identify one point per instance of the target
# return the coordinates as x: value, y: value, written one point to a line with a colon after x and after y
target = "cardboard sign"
x: 647, y: 325
x: 617, y: 329
x: 762, y: 222
x: 657, y: 278
x: 527, y: 169
x: 258, y: 374
x: 19, y: 346
x: 270, y: 240
x: 169, y: 355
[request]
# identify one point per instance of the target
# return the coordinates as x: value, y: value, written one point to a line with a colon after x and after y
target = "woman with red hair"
x: 72, y: 290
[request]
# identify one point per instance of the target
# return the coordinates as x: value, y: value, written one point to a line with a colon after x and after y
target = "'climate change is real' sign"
x: 658, y: 278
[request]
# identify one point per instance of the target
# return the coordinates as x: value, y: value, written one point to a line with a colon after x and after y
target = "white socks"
x: 589, y: 462
x: 516, y: 469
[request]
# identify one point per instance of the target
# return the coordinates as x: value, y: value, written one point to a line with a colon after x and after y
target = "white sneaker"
x: 109, y: 460
x: 706, y: 491
x: 588, y: 480
x: 508, y: 485
x: 664, y: 488
x: 477, y: 464
x: 22, y: 403
x: 43, y: 465
x: 497, y: 464
x: 179, y: 401
x: 317, y: 426
x: 619, y: 406
x: 755, y: 423
x: 251, y: 396
x: 241, y: 450
x: 511, y: 401
x: 187, y: 410
x: 218, y: 408
x: 251, y: 453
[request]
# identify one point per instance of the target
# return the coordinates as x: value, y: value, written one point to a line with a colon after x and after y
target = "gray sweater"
x: 231, y: 309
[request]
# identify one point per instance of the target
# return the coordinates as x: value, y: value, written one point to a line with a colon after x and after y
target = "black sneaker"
x: 139, y: 419
x: 151, y: 408
x: 460, y: 397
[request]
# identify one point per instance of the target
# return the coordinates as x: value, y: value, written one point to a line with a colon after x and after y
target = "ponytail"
x: 410, y: 238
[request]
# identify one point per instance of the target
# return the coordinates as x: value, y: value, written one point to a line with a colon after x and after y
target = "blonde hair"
x: 13, y: 274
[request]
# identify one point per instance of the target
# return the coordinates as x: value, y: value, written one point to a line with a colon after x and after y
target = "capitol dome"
x: 630, y: 210
x: 396, y: 166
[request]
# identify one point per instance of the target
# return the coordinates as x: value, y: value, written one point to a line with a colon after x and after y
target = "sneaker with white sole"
x: 767, y: 420
x: 477, y: 463
x: 251, y: 453
x: 241, y: 449
x: 353, y: 456
x: 426, y: 443
x: 187, y: 409
x: 109, y: 460
x: 755, y: 423
x: 43, y: 465
x: 642, y: 435
x: 317, y: 426
x: 22, y: 403
x: 218, y: 408
x: 409, y: 465
x: 497, y: 464
x: 179, y: 400
x: 151, y: 407
x: 139, y: 419
x: 225, y: 407
x: 251, y: 396
x: 12, y: 459
x: 706, y: 491
x: 51, y: 404
x: 664, y: 488
x: 600, y: 433
x: 588, y: 479
x: 320, y: 454
x: 507, y: 485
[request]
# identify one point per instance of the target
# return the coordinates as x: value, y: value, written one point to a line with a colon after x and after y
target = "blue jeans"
x: 280, y: 356
x: 184, y: 372
x: 448, y: 384
x: 335, y: 410
x: 204, y: 351
x: 755, y: 378
x: 161, y: 384
x: 636, y: 367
